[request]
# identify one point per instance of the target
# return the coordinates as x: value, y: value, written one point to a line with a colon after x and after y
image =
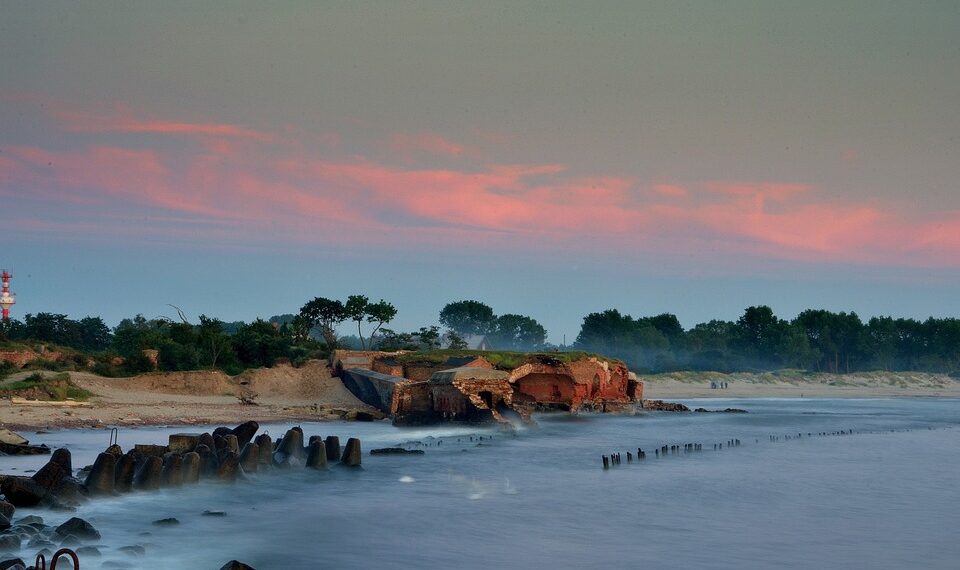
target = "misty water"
x: 540, y: 498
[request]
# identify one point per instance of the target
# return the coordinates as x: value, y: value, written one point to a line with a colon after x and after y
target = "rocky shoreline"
x: 226, y: 455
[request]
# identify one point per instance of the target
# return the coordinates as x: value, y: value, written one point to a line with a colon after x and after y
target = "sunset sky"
x: 551, y: 159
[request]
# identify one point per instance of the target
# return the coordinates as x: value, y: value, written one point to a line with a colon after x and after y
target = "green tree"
x: 468, y: 318
x: 380, y: 313
x: 518, y: 332
x: 356, y: 310
x: 429, y: 337
x: 325, y: 314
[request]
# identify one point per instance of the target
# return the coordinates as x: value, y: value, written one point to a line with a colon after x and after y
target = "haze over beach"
x: 650, y: 157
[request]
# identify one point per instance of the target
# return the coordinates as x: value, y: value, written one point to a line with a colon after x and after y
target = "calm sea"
x: 886, y: 497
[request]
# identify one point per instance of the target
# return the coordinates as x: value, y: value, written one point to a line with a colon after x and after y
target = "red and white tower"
x: 6, y: 299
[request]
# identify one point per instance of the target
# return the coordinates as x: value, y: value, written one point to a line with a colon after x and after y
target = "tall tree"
x: 326, y: 314
x: 380, y: 313
x: 356, y: 310
x: 468, y: 317
x: 518, y: 332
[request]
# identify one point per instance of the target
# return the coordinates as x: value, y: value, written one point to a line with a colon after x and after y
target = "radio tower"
x: 6, y: 299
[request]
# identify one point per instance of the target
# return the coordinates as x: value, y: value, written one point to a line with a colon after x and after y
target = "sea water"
x: 885, y: 497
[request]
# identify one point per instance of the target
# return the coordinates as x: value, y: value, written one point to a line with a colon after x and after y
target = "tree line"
x: 816, y: 340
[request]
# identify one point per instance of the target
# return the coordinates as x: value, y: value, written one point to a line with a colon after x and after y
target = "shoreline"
x: 311, y: 393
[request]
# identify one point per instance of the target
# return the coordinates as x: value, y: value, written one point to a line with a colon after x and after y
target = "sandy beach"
x: 311, y: 393
x: 200, y: 397
x: 796, y: 384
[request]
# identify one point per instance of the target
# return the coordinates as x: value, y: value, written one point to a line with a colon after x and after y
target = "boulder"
x: 333, y: 447
x: 69, y: 492
x: 62, y: 456
x: 100, y: 480
x: 209, y: 464
x: 190, y: 467
x: 13, y: 438
x: 151, y: 450
x: 229, y: 467
x: 316, y: 455
x: 232, y: 443
x: 351, y: 453
x: 219, y: 442
x: 125, y: 471
x: 13, y: 564
x: 7, y: 510
x: 79, y: 528
x: 171, y: 474
x: 245, y: 432
x: 221, y: 431
x: 22, y: 491
x: 10, y: 542
x: 183, y: 442
x: 249, y: 457
x: 50, y: 474
x: 205, y: 439
x: 169, y: 521
x: 264, y: 449
x: 292, y: 443
x: 114, y: 450
x: 4, y: 522
x: 148, y: 474
x: 395, y: 451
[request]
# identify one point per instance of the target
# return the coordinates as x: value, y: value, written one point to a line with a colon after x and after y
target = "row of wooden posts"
x: 616, y: 458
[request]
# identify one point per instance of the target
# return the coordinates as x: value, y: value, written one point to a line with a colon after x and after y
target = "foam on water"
x: 540, y: 498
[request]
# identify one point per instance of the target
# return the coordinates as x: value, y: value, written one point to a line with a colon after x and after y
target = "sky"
x: 547, y: 158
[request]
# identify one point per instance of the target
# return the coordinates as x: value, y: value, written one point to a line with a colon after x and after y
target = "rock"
x: 333, y: 447
x: 292, y: 443
x: 249, y: 457
x: 10, y: 542
x: 395, y: 451
x: 236, y: 565
x: 265, y: 449
x: 13, y: 438
x: 317, y: 455
x: 314, y: 438
x: 171, y: 474
x: 351, y: 453
x: 661, y: 406
x: 50, y: 474
x: 151, y: 450
x: 133, y: 550
x: 114, y: 450
x: 78, y: 528
x: 232, y: 443
x: 229, y: 467
x: 68, y: 492
x: 183, y: 442
x: 214, y: 514
x: 190, y: 467
x: 88, y: 551
x: 13, y: 564
x: 70, y: 540
x: 124, y: 473
x: 169, y: 521
x: 221, y: 431
x: 148, y: 475
x: 100, y: 480
x: 31, y: 520
x: 7, y: 510
x: 62, y: 456
x: 219, y: 442
x: 205, y: 439
x: 209, y: 464
x: 4, y: 522
x: 245, y: 432
x: 22, y: 491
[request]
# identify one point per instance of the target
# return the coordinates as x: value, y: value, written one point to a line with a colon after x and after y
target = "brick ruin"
x: 469, y: 388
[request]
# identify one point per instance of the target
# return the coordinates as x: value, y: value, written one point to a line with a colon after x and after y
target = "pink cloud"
x: 122, y: 120
x: 409, y: 144
x: 231, y: 189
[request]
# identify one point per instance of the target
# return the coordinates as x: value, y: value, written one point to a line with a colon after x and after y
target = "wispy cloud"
x: 268, y: 190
